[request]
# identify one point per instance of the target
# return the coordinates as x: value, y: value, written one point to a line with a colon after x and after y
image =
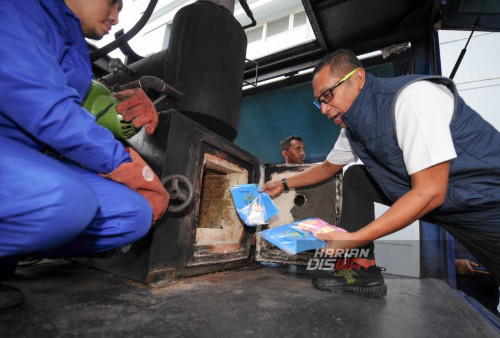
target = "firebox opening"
x: 219, y: 230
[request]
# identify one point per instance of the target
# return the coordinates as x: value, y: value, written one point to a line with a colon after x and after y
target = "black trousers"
x: 360, y: 191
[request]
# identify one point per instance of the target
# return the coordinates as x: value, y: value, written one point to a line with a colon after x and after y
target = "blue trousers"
x: 53, y: 208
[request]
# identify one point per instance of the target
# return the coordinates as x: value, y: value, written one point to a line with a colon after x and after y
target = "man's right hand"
x: 138, y: 176
x: 272, y: 188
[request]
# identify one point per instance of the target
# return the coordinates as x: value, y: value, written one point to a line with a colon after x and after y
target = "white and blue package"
x: 254, y: 207
x: 298, y: 236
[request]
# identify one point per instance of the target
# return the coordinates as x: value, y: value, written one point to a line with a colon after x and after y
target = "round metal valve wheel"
x: 180, y: 190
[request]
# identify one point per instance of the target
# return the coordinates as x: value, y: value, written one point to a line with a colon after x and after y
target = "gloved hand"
x: 138, y: 176
x: 138, y: 108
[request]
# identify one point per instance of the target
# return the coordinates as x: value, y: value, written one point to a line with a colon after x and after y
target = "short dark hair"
x: 121, y: 4
x: 341, y: 62
x: 285, y: 143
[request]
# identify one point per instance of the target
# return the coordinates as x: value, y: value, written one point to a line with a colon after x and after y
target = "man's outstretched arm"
x: 313, y: 175
x: 427, y: 193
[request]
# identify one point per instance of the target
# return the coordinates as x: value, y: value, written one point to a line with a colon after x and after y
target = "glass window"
x: 299, y: 19
x: 254, y: 34
x: 277, y: 26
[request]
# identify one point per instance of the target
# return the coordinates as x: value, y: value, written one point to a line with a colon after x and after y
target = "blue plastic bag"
x: 298, y: 236
x: 254, y: 207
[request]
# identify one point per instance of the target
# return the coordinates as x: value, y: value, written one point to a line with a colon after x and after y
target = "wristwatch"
x: 285, y: 185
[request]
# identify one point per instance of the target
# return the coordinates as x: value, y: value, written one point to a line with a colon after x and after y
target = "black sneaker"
x: 367, y: 283
x: 10, y: 296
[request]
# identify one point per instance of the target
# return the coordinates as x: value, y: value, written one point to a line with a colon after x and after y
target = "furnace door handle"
x: 180, y: 190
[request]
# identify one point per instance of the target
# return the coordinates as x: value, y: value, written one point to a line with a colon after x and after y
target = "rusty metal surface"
x: 212, y: 200
x: 65, y: 299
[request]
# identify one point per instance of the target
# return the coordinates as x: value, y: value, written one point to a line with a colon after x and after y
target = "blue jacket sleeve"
x: 40, y: 75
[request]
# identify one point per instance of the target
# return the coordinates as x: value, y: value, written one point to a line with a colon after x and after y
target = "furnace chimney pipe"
x: 227, y: 4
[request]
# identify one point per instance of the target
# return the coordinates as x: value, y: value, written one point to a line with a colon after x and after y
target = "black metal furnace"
x: 192, y: 147
x: 208, y: 235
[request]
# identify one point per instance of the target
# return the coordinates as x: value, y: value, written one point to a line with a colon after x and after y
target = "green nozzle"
x: 102, y: 104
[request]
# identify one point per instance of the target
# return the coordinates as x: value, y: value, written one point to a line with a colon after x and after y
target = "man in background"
x: 293, y: 149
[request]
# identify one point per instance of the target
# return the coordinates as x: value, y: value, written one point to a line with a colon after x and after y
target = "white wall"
x: 399, y: 252
x: 478, y: 77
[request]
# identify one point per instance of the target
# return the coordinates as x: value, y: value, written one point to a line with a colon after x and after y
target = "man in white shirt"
x: 427, y: 154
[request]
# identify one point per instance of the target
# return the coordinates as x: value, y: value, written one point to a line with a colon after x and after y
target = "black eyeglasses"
x: 327, y: 95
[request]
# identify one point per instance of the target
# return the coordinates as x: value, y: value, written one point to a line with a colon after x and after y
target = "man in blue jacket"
x: 69, y: 187
x: 425, y: 153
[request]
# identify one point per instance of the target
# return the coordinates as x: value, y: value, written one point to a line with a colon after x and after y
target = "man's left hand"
x: 138, y: 108
x: 138, y: 176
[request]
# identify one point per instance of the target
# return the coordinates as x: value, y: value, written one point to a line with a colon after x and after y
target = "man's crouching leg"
x: 42, y: 206
x: 123, y: 217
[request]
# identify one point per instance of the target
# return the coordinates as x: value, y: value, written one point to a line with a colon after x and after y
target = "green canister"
x: 101, y: 103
